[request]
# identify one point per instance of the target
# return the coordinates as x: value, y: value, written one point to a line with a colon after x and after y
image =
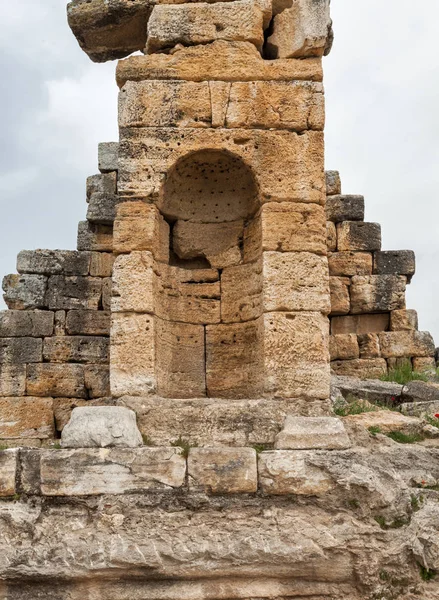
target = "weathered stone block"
x: 348, y: 264
x: 94, y: 471
x: 70, y: 293
x: 344, y: 347
x: 101, y: 427
x: 333, y: 184
x: 420, y: 391
x: 369, y: 345
x: 223, y: 470
x: 63, y: 407
x: 53, y: 262
x: 18, y: 351
x: 12, y: 380
x: 78, y: 349
x: 108, y: 156
x: 358, y: 236
x: 386, y: 421
x: 406, y: 343
x: 345, y: 208
x: 403, y: 320
x: 340, y: 298
x: 180, y: 360
x: 97, y: 380
x: 133, y: 283
x: 26, y: 417
x: 101, y: 264
x: 102, y: 208
x: 8, y: 472
x: 377, y: 293
x: 191, y: 24
x: 241, y: 293
x: 104, y: 183
x: 88, y: 322
x: 331, y: 236
x: 296, y: 355
x: 302, y: 433
x: 398, y: 262
x: 58, y: 381
x: 26, y: 323
x: 284, y: 472
x: 219, y: 243
x: 378, y: 392
x: 295, y: 281
x: 107, y: 291
x: 96, y: 238
x: 132, y: 356
x: 363, y: 368
x: 25, y: 291
x: 360, y: 324
x: 422, y: 364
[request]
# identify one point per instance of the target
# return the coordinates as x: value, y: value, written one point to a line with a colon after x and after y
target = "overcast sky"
x: 382, y: 134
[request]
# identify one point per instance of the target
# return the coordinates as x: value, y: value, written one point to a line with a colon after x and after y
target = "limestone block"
x: 88, y: 322
x: 101, y: 264
x: 420, y: 391
x: 331, y: 236
x: 358, y: 236
x: 101, y: 427
x: 104, y: 183
x: 295, y: 281
x: 60, y: 322
x: 363, y: 368
x: 26, y: 323
x: 12, y: 380
x: 322, y: 433
x: 25, y: 291
x: 191, y: 24
x: 139, y: 226
x: 283, y: 472
x: 18, y: 351
x: 422, y: 364
x: 234, y: 360
x: 95, y: 471
x: 340, y: 298
x: 219, y: 243
x: 369, y: 345
x: 344, y: 208
x: 295, y: 105
x: 58, y: 381
x: 78, y: 349
x: 133, y: 283
x: 387, y: 421
x: 132, y: 356
x: 212, y: 62
x: 378, y: 392
x: 165, y: 104
x: 96, y: 238
x: 302, y: 30
x: 102, y: 208
x: 403, y: 320
x: 97, y: 380
x: 26, y: 417
x: 8, y: 472
x: 63, y: 407
x: 406, y: 343
x: 296, y: 355
x: 180, y: 360
x: 344, y: 347
x: 241, y: 293
x: 360, y: 324
x: 377, y: 293
x: 107, y: 289
x: 223, y: 470
x: 348, y: 264
x: 71, y: 293
x: 53, y: 262
x: 108, y: 156
x: 333, y: 184
x: 398, y: 262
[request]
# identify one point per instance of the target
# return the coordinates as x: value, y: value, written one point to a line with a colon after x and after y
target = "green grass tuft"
x: 404, y: 374
x: 353, y: 407
x: 185, y: 445
x: 146, y: 440
x: 432, y: 421
x: 426, y: 574
x: 374, y: 429
x: 405, y: 438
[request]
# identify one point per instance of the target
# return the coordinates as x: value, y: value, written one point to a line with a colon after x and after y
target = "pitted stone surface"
x: 301, y: 433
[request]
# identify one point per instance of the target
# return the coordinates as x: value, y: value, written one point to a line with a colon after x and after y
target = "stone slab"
x: 8, y: 472
x: 25, y: 292
x: 223, y: 470
x: 26, y: 323
x: 26, y: 418
x: 377, y: 293
x: 56, y: 380
x: 77, y: 349
x: 53, y: 262
x: 373, y: 323
x: 396, y: 344
x: 88, y: 322
x: 387, y: 421
x: 333, y: 183
x: 12, y: 380
x: 302, y: 433
x: 344, y: 208
x: 382, y: 392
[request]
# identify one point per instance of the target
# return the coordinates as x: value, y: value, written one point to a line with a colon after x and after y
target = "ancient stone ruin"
x: 220, y: 277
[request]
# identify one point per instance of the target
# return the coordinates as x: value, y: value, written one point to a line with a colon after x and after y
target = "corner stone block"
x: 26, y: 418
x: 53, y: 262
x: 377, y: 293
x: 104, y: 183
x: 396, y: 344
x: 133, y: 283
x: 322, y: 433
x: 8, y: 472
x: 349, y: 264
x: 399, y: 262
x: 403, y: 320
x: 26, y: 323
x: 93, y: 237
x: 101, y: 264
x: 284, y: 472
x: 333, y: 183
x: 95, y: 471
x: 223, y: 470
x: 358, y: 236
x: 102, y: 209
x: 344, y: 208
x: 56, y: 380
x: 108, y: 156
x: 25, y: 292
x: 97, y: 381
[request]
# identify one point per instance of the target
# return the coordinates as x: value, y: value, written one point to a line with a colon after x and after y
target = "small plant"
x: 426, y: 574
x: 146, y: 440
x: 433, y: 420
x: 16, y: 497
x: 56, y: 446
x: 404, y: 374
x: 395, y: 524
x: 353, y: 406
x: 405, y: 438
x: 374, y: 430
x: 353, y: 503
x: 262, y: 448
x: 384, y: 575
x: 185, y: 445
x: 3, y: 448
x: 415, y: 503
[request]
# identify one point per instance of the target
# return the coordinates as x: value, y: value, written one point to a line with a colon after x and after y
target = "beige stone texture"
x: 363, y: 368
x: 340, y: 297
x: 132, y: 355
x: 8, y: 472
x: 241, y: 293
x: 321, y: 433
x: 219, y: 243
x: 296, y: 355
x: 234, y: 360
x: 396, y: 344
x: 139, y: 226
x: 387, y: 421
x: 377, y: 293
x: 95, y: 238
x: 295, y: 281
x: 331, y: 236
x: 94, y: 471
x: 101, y: 264
x: 133, y: 283
x: 76, y: 349
x: 303, y: 29
x: 88, y: 322
x: 358, y: 236
x: 56, y: 380
x: 284, y: 472
x: 333, y: 183
x: 180, y: 360
x: 26, y: 417
x: 218, y: 61
x: 421, y: 364
x: 63, y: 407
x: 369, y: 345
x: 223, y: 470
x: 403, y: 320
x: 360, y: 324
x: 219, y: 96
x: 12, y: 380
x: 192, y: 24
x: 348, y: 264
x: 344, y: 347
x: 107, y: 291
